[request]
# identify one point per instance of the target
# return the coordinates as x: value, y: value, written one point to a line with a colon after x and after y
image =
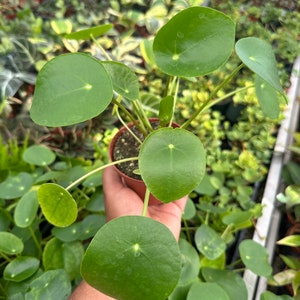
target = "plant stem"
x: 227, y: 229
x: 100, y: 47
x: 80, y: 179
x: 186, y: 228
x: 33, y: 235
x: 212, y: 95
x: 5, y: 256
x: 142, y: 115
x: 146, y: 203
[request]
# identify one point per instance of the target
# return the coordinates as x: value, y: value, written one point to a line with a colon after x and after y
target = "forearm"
x: 86, y: 292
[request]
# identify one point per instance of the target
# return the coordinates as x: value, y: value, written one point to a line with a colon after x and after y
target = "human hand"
x: 121, y: 201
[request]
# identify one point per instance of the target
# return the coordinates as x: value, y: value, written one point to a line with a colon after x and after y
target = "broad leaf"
x: 207, y: 291
x: 267, y: 97
x: 15, y: 186
x: 86, y: 34
x: 21, y: 268
x: 57, y: 204
x: 209, y: 242
x: 172, y: 163
x: 255, y: 258
x: 230, y: 281
x: 39, y: 155
x: 138, y: 258
x: 70, y: 89
x: 26, y: 209
x: 166, y: 108
x: 10, y: 243
x: 60, y: 255
x: 53, y: 284
x: 124, y: 80
x: 258, y: 56
x: 196, y: 41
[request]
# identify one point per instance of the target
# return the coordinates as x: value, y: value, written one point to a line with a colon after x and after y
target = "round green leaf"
x: 86, y: 34
x: 124, y: 80
x: 53, y: 284
x: 258, y: 56
x: 39, y: 155
x: 207, y: 291
x: 57, y: 204
x: 133, y: 258
x: 189, y: 210
x: 190, y: 263
x: 15, y: 186
x: 60, y: 255
x: 71, y: 88
x: 196, y: 41
x: 209, y: 243
x: 172, y: 163
x: 255, y: 257
x: 26, y: 209
x: 10, y: 244
x: 230, y: 281
x: 21, y: 268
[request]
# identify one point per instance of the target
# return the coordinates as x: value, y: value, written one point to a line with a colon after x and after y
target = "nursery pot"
x: 124, y: 139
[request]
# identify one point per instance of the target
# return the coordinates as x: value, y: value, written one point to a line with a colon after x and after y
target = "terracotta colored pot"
x: 135, y: 184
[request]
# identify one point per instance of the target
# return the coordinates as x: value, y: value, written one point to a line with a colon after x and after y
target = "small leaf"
x: 267, y: 295
x: 147, y: 51
x: 21, y: 268
x: 208, y: 242
x: 26, y: 209
x: 291, y: 240
x: 258, y: 56
x: 61, y: 26
x: 267, y: 97
x: 255, y: 258
x: 230, y: 281
x: 39, y: 155
x: 53, y: 284
x: 166, y: 110
x: 195, y: 42
x: 60, y: 255
x: 131, y: 252
x: 189, y: 210
x: 124, y: 80
x: 10, y: 244
x: 86, y: 34
x: 78, y: 93
x: 207, y: 291
x: 15, y: 186
x: 283, y: 278
x: 237, y: 217
x: 172, y: 163
x: 57, y: 204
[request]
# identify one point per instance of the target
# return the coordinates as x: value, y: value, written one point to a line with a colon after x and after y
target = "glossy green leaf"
x: 53, y: 284
x: 267, y: 295
x: 236, y: 217
x: 15, y: 186
x: 230, y: 281
x: 258, y: 56
x: 290, y: 240
x: 139, y: 258
x: 82, y: 230
x: 57, y: 204
x: 190, y: 263
x: 86, y: 34
x: 255, y: 258
x: 209, y: 242
x: 60, y: 255
x: 10, y: 243
x: 124, y: 80
x: 166, y: 108
x: 189, y: 210
x: 21, y: 268
x: 207, y: 291
x: 166, y: 166
x: 291, y: 262
x: 267, y: 97
x: 39, y: 155
x: 196, y: 41
x: 26, y: 209
x: 71, y: 88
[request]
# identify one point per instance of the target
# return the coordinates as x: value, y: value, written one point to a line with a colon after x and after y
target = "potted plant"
x: 76, y: 87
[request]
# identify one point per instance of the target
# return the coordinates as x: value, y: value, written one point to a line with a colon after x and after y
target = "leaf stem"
x: 146, y: 203
x: 80, y: 179
x: 33, y: 235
